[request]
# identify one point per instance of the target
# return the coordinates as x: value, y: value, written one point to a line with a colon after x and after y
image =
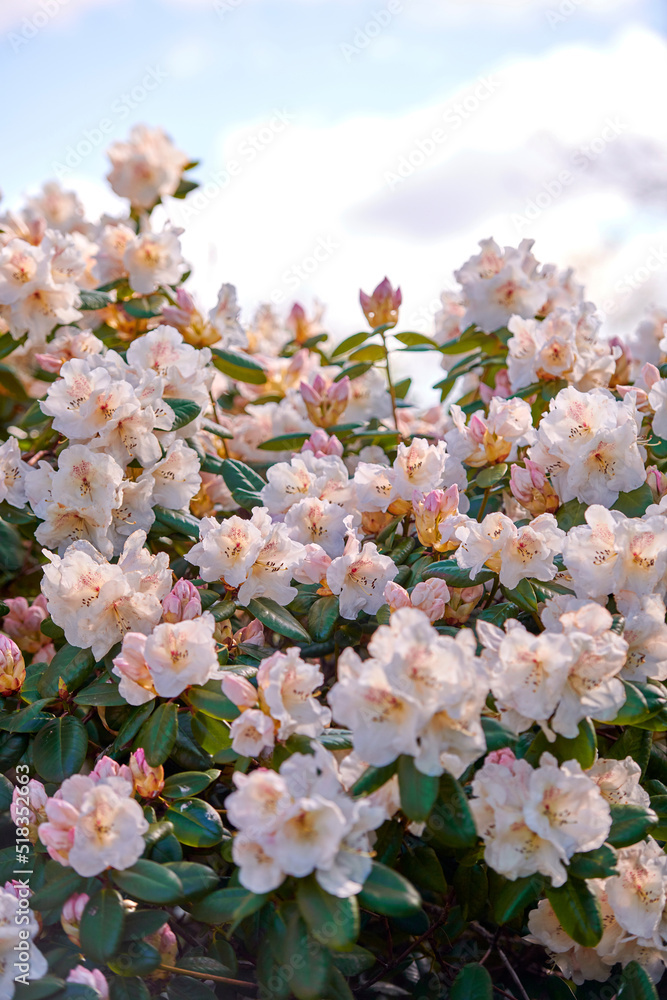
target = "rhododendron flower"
x: 534, y: 820
x: 436, y: 518
x: 252, y: 732
x: 359, y: 577
x: 136, y: 683
x: 321, y: 444
x: 23, y: 622
x: 28, y: 810
x: 146, y: 167
x: 175, y: 478
x: 12, y: 473
x: 92, y: 978
x: 287, y: 685
x: 154, y: 259
x: 532, y: 489
x: 147, y: 781
x: 318, y: 521
x: 93, y: 825
x: 618, y: 781
x: 70, y: 918
x: 381, y: 308
x: 498, y: 284
x: 181, y: 654
x: 514, y: 553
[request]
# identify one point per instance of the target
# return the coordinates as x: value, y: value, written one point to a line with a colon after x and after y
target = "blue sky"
x: 354, y: 113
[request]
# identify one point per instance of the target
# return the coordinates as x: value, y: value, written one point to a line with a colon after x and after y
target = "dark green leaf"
x: 418, y: 791
x: 310, y: 962
x: 185, y: 411
x: 225, y: 906
x: 72, y: 665
x: 373, y: 778
x: 388, y: 893
x: 196, y: 878
x: 451, y: 823
x: 583, y: 748
x: 636, y: 984
x: 332, y: 921
x: 196, y: 823
x: 188, y: 783
x: 92, y: 300
x: 139, y: 959
x: 158, y: 734
x: 578, y: 911
x: 449, y: 571
x: 60, y: 749
x: 600, y: 863
x: 515, y: 896
x: 351, y: 342
x: 322, y: 618
x: 142, y: 923
x: 149, y: 882
x: 285, y: 442
x: 61, y: 884
x: 629, y: 823
x: 243, y: 483
x: 277, y: 618
x: 176, y: 520
x: 101, y: 928
x: 472, y: 983
x: 213, y: 703
x: 634, y: 504
x: 128, y: 989
x: 635, y: 743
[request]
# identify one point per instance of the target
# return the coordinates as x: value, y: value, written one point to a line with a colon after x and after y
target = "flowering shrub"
x: 307, y: 691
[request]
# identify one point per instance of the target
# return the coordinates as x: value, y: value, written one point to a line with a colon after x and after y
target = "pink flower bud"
x: 239, y: 690
x: 92, y: 978
x: 431, y: 511
x: 532, y: 489
x: 503, y: 389
x: 313, y: 565
x: 251, y: 634
x: 12, y: 666
x: 182, y: 603
x: 166, y: 943
x: 107, y: 767
x: 504, y: 757
x: 70, y: 918
x: 396, y: 596
x: 657, y: 482
x: 49, y: 363
x: 431, y: 596
x: 650, y: 374
x: 325, y: 400
x: 148, y: 781
x: 321, y: 444
x: 381, y: 308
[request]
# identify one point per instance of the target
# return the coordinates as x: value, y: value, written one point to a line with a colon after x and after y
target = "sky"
x: 342, y: 140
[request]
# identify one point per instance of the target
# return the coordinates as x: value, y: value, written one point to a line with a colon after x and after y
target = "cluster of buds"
x: 325, y: 400
x: 489, y: 448
x: 23, y: 623
x: 301, y: 327
x: 147, y: 781
x: 533, y: 490
x: 431, y: 596
x: 381, y: 308
x: 250, y: 635
x: 321, y: 444
x: 182, y: 603
x: 657, y: 482
x: 461, y: 604
x: 437, y: 517
x: 194, y: 328
x: 12, y: 666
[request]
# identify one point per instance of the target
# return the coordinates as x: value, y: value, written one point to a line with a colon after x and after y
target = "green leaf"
x: 277, y: 618
x: 600, y: 863
x: 12, y: 552
x: 243, y: 483
x: 101, y: 928
x: 410, y: 339
x: 449, y: 571
x: 523, y: 595
x: 336, y: 739
x: 370, y: 353
x: 578, y: 911
x: 570, y: 514
x: 144, y: 306
x: 195, y: 878
x: 139, y: 959
x: 284, y: 442
x: 27, y: 720
x: 61, y: 884
x: 450, y: 822
x: 636, y: 984
x: 472, y: 983
x: 388, y: 893
x: 634, y: 504
x: 351, y: 342
x: 128, y: 989
x: 103, y: 691
x: 310, y: 964
x: 72, y: 665
x: 158, y: 734
x: 227, y: 906
x: 629, y: 823
x: 149, y: 882
x: 373, y: 778
x: 185, y: 411
x: 141, y: 923
x: 131, y: 726
x: 213, y: 703
x: 635, y: 743
x: 92, y: 300
x: 322, y: 618
x: 222, y: 610
x: 188, y: 783
x: 60, y: 749
x: 497, y: 735
x: 39, y: 989
x: 332, y: 921
x: 515, y: 896
x: 491, y: 475
x: 353, y: 371
x: 239, y: 367
x: 196, y: 823
x: 176, y: 520
x: 354, y: 960
x: 418, y: 791
x: 422, y: 867
x: 582, y: 748
x: 211, y: 734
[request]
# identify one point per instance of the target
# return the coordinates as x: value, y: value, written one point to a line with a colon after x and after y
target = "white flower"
x: 227, y: 549
x: 186, y: 370
x: 23, y: 268
x: 575, y: 962
x: 225, y: 318
x: 637, y: 893
x: 619, y: 781
x: 530, y: 552
x: 359, y: 576
x: 134, y: 511
x: 12, y: 473
x: 146, y: 167
x: 271, y: 572
x: 287, y: 685
x: 418, y: 466
x: 154, y: 259
x: 287, y: 483
x: 176, y: 478
x: 136, y: 683
x: 251, y: 732
x: 320, y: 522
x: 181, y: 654
x: 309, y: 835
x: 374, y: 486
x: 65, y: 397
x: 498, y: 284
x: 96, y: 602
x: 259, y: 871
x: 645, y: 632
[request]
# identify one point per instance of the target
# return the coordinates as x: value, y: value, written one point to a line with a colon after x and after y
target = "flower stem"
x: 392, y: 390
